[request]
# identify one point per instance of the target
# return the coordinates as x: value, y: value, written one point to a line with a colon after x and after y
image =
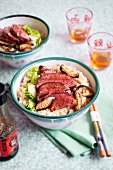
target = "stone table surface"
x: 36, y: 152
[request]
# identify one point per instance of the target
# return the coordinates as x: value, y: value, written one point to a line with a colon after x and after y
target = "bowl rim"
x: 29, y: 65
x: 34, y: 49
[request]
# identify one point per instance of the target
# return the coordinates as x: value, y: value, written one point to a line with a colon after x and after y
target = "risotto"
x: 55, y: 91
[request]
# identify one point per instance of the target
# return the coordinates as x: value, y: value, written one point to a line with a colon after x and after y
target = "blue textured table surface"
x: 36, y: 151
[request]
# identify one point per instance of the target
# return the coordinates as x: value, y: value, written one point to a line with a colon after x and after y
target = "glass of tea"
x: 100, y: 46
x: 79, y: 23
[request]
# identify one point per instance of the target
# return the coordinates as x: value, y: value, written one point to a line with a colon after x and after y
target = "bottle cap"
x: 3, y: 95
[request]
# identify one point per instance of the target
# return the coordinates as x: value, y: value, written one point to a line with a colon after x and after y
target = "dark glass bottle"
x: 8, y: 133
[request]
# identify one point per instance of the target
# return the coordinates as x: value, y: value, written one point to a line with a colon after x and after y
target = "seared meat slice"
x: 62, y: 100
x: 51, y: 87
x: 5, y: 39
x: 2, y: 36
x: 20, y: 33
x: 43, y: 69
x: 10, y: 36
x: 56, y: 77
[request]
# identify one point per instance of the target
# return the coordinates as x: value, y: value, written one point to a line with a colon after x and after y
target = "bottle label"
x: 8, y: 145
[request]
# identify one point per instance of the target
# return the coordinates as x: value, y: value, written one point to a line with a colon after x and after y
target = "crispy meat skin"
x: 56, y: 77
x: 51, y: 87
x: 20, y: 33
x: 61, y: 100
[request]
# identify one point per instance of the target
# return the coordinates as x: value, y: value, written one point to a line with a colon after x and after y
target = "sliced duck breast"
x: 56, y: 77
x: 51, y: 87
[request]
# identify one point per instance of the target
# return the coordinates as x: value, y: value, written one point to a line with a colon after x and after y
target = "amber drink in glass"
x: 100, y: 46
x: 79, y: 24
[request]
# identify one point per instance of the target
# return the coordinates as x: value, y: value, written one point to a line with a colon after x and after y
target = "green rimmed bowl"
x: 55, y: 122
x: 18, y: 60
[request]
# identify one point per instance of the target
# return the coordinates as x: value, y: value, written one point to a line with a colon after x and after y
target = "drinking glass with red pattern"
x: 79, y: 22
x: 100, y: 45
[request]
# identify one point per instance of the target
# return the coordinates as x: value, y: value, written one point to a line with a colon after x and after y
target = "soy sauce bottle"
x: 8, y: 133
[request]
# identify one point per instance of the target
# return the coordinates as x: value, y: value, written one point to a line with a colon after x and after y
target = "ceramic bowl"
x: 56, y: 122
x: 18, y: 60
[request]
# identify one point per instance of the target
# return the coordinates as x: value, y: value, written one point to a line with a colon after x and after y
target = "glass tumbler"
x: 100, y: 47
x: 79, y: 22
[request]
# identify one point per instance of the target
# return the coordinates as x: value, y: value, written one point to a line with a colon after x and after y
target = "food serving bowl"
x: 19, y: 59
x: 55, y: 122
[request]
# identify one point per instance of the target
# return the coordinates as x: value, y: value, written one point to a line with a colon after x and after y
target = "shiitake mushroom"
x: 5, y: 46
x: 69, y: 72
x: 85, y: 91
x: 45, y: 103
x: 25, y: 47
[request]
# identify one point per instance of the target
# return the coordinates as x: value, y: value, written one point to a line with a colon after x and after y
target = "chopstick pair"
x: 99, y: 133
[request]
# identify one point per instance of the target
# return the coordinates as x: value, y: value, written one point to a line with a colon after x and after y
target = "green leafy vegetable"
x: 29, y: 95
x: 30, y: 91
x: 33, y: 74
x: 30, y: 105
x: 33, y: 33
